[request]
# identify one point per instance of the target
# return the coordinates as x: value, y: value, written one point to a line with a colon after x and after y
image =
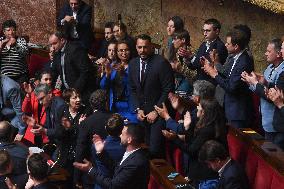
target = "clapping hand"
x: 187, y: 120
x: 163, y: 112
x: 98, y: 143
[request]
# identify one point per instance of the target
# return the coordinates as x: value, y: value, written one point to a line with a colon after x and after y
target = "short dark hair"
x: 39, y: 76
x: 5, y: 160
x: 67, y: 93
x: 5, y: 131
x: 137, y: 132
x: 178, y: 23
x: 37, y: 167
x: 216, y: 24
x: 9, y: 24
x: 144, y: 37
x: 244, y: 28
x: 122, y: 26
x: 98, y: 99
x: 182, y: 35
x: 212, y: 150
x: 60, y: 34
x: 238, y: 38
x: 115, y: 125
x: 109, y: 25
x: 277, y: 44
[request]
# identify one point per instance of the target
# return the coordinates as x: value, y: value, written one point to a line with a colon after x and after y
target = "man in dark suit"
x: 94, y: 124
x: 237, y: 100
x: 150, y: 81
x: 102, y: 52
x: 71, y: 62
x: 211, y: 31
x: 231, y: 174
x: 75, y: 18
x: 132, y: 171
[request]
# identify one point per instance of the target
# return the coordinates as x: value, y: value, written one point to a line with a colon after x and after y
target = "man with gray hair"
x: 202, y: 89
x: 53, y: 107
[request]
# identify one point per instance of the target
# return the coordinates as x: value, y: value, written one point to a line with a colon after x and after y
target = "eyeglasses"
x: 123, y: 50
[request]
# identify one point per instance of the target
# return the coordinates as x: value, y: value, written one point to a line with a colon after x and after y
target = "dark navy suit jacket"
x: 233, y: 177
x: 222, y: 53
x: 84, y: 17
x: 237, y: 100
x: 134, y: 172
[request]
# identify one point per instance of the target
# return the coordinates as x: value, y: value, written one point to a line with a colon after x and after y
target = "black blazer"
x: 79, y: 73
x: 134, y: 172
x: 84, y: 18
x: 94, y: 124
x: 233, y: 177
x: 154, y: 89
x: 222, y: 52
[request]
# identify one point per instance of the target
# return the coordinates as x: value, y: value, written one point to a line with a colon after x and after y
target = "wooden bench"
x: 160, y: 169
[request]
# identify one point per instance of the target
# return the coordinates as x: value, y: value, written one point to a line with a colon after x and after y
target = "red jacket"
x: 30, y: 106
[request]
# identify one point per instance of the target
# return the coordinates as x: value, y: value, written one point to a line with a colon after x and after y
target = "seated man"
x: 11, y: 105
x: 133, y: 170
x: 76, y: 18
x: 8, y: 178
x: 13, y: 53
x: 232, y: 175
x: 38, y: 168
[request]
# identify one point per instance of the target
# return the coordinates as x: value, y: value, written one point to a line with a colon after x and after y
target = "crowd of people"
x: 110, y: 112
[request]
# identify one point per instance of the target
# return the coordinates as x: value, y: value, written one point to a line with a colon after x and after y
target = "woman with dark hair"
x: 32, y: 107
x: 210, y: 126
x: 175, y: 24
x: 116, y: 82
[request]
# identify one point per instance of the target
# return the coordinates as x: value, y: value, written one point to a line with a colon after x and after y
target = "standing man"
x: 75, y: 18
x: 108, y: 38
x: 259, y: 84
x: 150, y: 80
x: 237, y: 100
x: 71, y: 62
x: 211, y: 31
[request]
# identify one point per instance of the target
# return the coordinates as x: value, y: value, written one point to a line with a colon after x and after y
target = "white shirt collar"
x: 127, y: 154
x: 220, y: 172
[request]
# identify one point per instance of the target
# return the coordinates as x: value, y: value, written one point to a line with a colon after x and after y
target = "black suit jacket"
x: 79, y: 73
x: 222, y: 53
x: 154, y: 89
x: 94, y: 124
x: 84, y: 27
x: 134, y: 172
x: 233, y: 177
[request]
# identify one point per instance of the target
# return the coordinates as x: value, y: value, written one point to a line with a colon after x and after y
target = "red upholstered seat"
x: 238, y: 149
x: 277, y: 181
x: 36, y: 63
x: 251, y: 166
x: 264, y: 174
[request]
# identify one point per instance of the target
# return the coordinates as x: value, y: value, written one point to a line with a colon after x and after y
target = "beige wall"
x: 151, y: 16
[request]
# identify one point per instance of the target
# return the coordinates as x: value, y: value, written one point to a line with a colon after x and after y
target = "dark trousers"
x: 154, y: 137
x: 276, y: 138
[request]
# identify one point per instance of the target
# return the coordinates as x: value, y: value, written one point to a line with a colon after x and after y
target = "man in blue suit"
x: 237, y: 100
x: 231, y: 174
x: 75, y: 18
x: 133, y: 170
